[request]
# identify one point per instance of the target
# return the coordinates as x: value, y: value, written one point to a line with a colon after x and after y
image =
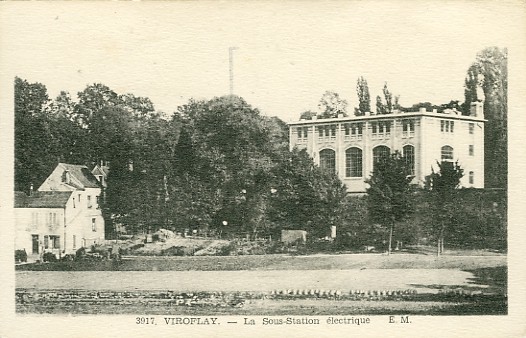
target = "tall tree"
x: 391, y: 102
x: 389, y: 192
x: 34, y: 158
x: 307, y: 197
x: 493, y: 65
x: 487, y: 80
x: 388, y: 96
x: 442, y: 186
x: 364, y: 98
x: 380, y: 107
x: 331, y: 104
x: 232, y: 162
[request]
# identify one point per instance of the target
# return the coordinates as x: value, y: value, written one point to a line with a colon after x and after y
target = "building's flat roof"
x: 391, y: 116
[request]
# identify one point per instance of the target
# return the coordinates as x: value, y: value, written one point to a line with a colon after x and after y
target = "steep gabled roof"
x: 82, y: 175
x: 100, y: 170
x: 42, y: 199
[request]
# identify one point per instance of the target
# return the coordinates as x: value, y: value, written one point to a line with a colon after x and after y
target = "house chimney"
x: 314, y: 118
x: 435, y: 110
x: 340, y: 115
x: 422, y: 110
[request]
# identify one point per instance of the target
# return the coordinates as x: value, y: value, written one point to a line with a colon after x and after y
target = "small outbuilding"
x: 292, y: 236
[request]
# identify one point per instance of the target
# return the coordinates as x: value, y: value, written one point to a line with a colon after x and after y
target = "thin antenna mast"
x: 231, y: 62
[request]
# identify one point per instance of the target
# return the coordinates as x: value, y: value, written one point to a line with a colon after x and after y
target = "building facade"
x: 62, y: 216
x: 349, y: 146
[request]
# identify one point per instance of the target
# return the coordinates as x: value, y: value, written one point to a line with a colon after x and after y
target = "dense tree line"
x: 220, y: 165
x: 215, y: 164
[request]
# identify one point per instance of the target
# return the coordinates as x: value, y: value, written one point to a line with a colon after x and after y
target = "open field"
x: 425, y: 280
x: 444, y: 285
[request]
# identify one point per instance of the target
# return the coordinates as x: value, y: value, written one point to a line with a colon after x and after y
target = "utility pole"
x: 231, y: 63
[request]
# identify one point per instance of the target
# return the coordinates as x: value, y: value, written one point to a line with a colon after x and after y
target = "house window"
x: 328, y: 160
x: 93, y: 224
x: 409, y: 156
x: 472, y: 128
x: 327, y: 133
x: 353, y: 162
x: 447, y: 126
x: 356, y: 130
x: 98, y: 201
x: 46, y: 242
x: 89, y: 202
x: 471, y: 150
x: 408, y: 128
x: 447, y: 154
x: 380, y: 153
x: 471, y: 177
x: 35, y: 244
x: 79, y: 198
x: 55, y: 242
x: 381, y: 129
x: 302, y: 134
x: 74, y: 241
x: 333, y: 132
x: 73, y: 202
x: 51, y: 219
x: 34, y: 218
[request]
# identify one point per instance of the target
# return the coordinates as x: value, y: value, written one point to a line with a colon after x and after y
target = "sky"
x: 288, y: 54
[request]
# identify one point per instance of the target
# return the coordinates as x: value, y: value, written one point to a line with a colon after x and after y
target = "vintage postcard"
x: 239, y: 168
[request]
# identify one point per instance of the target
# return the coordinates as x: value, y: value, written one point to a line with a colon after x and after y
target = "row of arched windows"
x: 354, y: 159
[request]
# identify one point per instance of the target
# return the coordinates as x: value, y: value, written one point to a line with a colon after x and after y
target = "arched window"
x: 409, y: 156
x: 447, y: 154
x: 380, y: 153
x: 328, y: 160
x: 353, y: 162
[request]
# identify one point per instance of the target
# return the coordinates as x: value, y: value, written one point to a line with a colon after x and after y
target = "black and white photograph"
x: 298, y: 168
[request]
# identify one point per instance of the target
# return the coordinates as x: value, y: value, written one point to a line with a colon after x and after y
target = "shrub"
x: 68, y: 258
x: 49, y: 257
x: 20, y: 255
x: 80, y: 252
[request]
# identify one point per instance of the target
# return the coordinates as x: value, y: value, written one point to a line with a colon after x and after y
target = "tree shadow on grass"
x: 485, y: 294
x: 496, y: 278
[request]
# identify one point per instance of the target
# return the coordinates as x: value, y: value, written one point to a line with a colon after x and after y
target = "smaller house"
x: 101, y: 172
x: 62, y: 216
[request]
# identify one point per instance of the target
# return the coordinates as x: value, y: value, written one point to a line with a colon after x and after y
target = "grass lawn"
x: 278, y: 262
x: 428, y: 274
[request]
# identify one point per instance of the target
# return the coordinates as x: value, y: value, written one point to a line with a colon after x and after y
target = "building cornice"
x: 392, y: 116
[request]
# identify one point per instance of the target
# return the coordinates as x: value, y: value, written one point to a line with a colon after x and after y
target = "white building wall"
x: 79, y: 216
x: 427, y: 140
x: 37, y: 221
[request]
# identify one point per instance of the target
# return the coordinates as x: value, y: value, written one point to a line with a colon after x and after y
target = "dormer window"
x: 66, y: 177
